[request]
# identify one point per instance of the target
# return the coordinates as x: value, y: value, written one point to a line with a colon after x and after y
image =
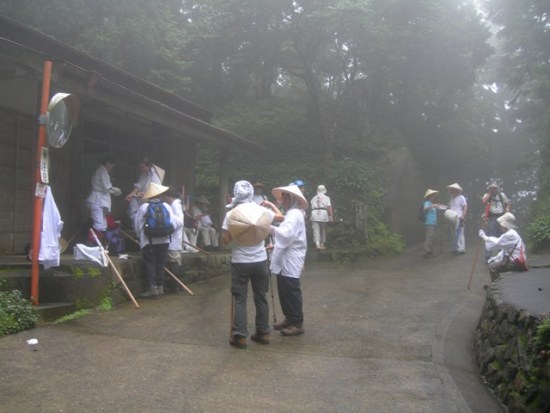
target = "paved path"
x: 392, y: 336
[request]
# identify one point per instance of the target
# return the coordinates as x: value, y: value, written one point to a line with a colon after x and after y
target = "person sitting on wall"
x: 511, y: 256
x: 204, y: 225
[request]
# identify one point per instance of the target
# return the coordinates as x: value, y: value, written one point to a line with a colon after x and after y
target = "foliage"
x: 538, y: 231
x: 105, y: 304
x: 16, y: 313
x: 380, y: 240
x: 523, y: 65
x: 542, y: 336
x: 328, y: 87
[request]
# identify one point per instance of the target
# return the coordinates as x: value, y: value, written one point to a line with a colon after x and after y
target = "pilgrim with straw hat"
x: 154, y: 249
x: 429, y: 208
x: 287, y: 261
x: 458, y: 204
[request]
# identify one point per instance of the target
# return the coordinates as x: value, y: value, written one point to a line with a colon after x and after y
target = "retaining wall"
x: 509, y: 360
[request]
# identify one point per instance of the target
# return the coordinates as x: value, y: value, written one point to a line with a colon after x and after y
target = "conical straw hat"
x: 154, y: 190
x: 248, y: 224
x: 430, y: 192
x: 160, y: 172
x: 292, y: 190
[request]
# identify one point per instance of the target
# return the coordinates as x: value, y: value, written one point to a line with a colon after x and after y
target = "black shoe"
x: 260, y: 338
x: 238, y: 341
x: 150, y: 293
x: 281, y: 324
x: 292, y: 331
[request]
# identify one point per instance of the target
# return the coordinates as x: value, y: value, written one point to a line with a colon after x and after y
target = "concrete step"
x: 54, y: 311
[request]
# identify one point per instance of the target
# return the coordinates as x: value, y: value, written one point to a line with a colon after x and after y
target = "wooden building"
x: 121, y: 116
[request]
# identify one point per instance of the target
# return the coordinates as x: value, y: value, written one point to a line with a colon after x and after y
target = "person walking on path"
x: 321, y: 214
x: 430, y: 221
x: 512, y: 256
x: 99, y: 200
x: 496, y: 204
x: 287, y: 261
x: 154, y: 248
x: 458, y: 205
x: 248, y: 262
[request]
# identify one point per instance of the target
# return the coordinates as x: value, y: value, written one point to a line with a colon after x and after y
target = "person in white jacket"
x: 99, y: 200
x: 512, y: 256
x: 287, y: 261
x: 154, y: 249
x: 175, y: 247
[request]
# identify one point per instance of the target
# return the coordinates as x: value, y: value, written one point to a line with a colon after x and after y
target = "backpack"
x: 157, y: 221
x: 421, y: 213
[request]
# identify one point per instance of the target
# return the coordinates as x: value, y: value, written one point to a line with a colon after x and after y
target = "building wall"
x: 17, y: 134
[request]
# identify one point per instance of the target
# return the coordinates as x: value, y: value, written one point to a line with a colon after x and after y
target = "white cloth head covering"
x: 321, y: 189
x: 508, y: 220
x: 295, y: 193
x: 243, y: 191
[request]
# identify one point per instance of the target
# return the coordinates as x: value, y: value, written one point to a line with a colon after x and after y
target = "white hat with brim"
x: 248, y: 224
x: 154, y: 190
x: 493, y: 185
x: 321, y: 189
x: 292, y: 190
x: 455, y: 186
x: 430, y: 192
x: 508, y: 220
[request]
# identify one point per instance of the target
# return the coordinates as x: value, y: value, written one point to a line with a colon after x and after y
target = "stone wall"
x: 509, y: 360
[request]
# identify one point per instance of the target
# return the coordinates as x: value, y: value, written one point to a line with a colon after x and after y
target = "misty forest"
x: 334, y: 88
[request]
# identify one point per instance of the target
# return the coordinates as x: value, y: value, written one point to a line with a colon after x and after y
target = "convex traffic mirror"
x: 60, y: 118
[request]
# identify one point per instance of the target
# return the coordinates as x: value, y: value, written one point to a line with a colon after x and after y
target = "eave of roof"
x: 169, y: 109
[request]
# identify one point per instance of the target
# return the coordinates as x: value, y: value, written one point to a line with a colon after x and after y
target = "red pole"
x: 39, y: 201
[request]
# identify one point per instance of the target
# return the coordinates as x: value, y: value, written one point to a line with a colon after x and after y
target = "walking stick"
x: 165, y: 269
x: 232, y: 316
x: 114, y: 268
x: 197, y: 248
x: 270, y: 279
x: 476, y: 255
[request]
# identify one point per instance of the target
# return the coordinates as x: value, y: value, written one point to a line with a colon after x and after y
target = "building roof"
x: 92, y: 78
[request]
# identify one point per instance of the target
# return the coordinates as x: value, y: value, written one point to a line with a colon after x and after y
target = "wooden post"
x: 38, y: 201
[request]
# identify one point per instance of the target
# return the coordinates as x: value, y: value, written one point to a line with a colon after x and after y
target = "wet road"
x: 394, y: 335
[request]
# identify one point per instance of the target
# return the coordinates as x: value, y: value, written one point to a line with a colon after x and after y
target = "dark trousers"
x: 290, y: 297
x: 154, y: 258
x: 257, y: 273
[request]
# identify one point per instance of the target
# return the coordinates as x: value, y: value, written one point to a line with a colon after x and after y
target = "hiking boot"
x: 238, y: 341
x: 150, y: 293
x: 292, y: 331
x: 281, y: 324
x: 260, y: 338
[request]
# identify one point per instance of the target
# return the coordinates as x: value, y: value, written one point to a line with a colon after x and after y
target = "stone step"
x: 54, y: 311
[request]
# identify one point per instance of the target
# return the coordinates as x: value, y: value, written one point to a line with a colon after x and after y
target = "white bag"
x: 95, y: 254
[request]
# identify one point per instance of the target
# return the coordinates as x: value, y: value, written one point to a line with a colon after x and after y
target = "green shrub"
x: 16, y: 313
x: 539, y: 232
